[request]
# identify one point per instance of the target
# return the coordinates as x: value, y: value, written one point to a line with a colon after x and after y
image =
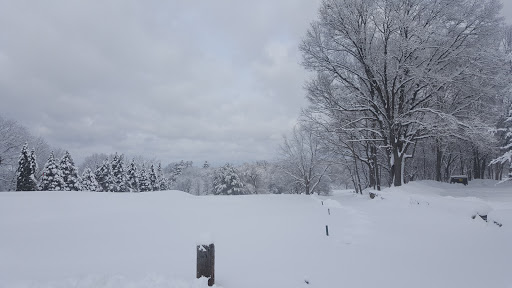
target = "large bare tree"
x: 393, y: 72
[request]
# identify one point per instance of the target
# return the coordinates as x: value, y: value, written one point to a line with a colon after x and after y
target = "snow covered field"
x: 419, y: 235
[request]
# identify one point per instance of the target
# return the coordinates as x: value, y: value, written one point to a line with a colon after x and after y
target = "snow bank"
x: 96, y: 281
x: 418, y: 235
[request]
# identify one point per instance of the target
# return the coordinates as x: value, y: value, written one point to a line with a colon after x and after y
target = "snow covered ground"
x: 418, y: 235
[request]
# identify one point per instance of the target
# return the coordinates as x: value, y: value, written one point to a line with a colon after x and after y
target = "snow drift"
x: 418, y: 235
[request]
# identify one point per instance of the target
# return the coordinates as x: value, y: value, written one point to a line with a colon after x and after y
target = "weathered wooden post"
x: 206, y: 262
x: 326, y: 230
x: 329, y: 211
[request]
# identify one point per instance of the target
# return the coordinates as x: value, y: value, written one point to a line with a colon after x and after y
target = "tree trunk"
x: 377, y: 175
x: 439, y: 157
x: 476, y: 165
x: 371, y: 175
x: 424, y: 164
x: 396, y: 168
x: 357, y: 175
x: 461, y: 164
x: 482, y: 169
x: 499, y: 171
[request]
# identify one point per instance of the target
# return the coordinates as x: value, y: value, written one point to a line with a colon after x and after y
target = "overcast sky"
x: 183, y: 79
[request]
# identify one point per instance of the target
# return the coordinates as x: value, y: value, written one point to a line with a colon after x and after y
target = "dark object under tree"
x: 459, y: 179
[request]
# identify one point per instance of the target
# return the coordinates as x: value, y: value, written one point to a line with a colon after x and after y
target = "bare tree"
x: 304, y: 159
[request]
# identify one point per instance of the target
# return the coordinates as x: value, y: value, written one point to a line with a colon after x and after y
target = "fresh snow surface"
x: 419, y: 235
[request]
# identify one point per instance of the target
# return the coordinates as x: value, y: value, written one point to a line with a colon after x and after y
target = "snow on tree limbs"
x: 404, y: 70
x: 25, y: 174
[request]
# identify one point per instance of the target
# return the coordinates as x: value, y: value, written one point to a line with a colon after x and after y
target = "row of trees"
x: 62, y: 175
x: 101, y: 172
x: 105, y: 173
x: 12, y: 138
x: 409, y: 89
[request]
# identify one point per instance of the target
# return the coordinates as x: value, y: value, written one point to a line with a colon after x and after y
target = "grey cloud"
x: 507, y: 10
x: 199, y: 80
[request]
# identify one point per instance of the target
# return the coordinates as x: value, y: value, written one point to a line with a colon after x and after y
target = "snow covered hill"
x: 419, y: 235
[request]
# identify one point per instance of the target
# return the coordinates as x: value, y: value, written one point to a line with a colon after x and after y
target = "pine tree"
x: 119, y: 178
x: 133, y: 177
x: 25, y: 174
x: 104, y: 177
x: 178, y: 168
x: 69, y: 173
x: 153, y: 179
x: 88, y: 181
x: 144, y: 183
x: 162, y: 181
x: 33, y: 165
x: 507, y: 146
x: 226, y: 181
x: 52, y: 176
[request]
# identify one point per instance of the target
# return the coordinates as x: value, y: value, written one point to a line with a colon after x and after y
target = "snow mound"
x: 95, y: 281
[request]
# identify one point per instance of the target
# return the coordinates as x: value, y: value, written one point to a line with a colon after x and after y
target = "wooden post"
x: 326, y: 230
x: 322, y: 203
x: 206, y: 262
x: 329, y: 211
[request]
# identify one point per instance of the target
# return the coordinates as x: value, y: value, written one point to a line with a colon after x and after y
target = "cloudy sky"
x: 183, y: 79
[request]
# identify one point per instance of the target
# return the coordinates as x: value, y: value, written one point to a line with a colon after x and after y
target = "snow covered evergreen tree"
x: 226, y: 181
x: 163, y: 184
x: 88, y: 181
x: 104, y: 177
x: 33, y: 163
x: 507, y: 147
x: 178, y: 168
x: 133, y: 177
x: 162, y: 181
x: 25, y: 174
x: 144, y: 183
x: 69, y: 173
x: 52, y: 176
x: 153, y: 179
x: 206, y: 165
x: 119, y: 178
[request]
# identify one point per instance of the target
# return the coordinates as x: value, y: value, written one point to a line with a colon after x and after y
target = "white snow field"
x: 418, y: 235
